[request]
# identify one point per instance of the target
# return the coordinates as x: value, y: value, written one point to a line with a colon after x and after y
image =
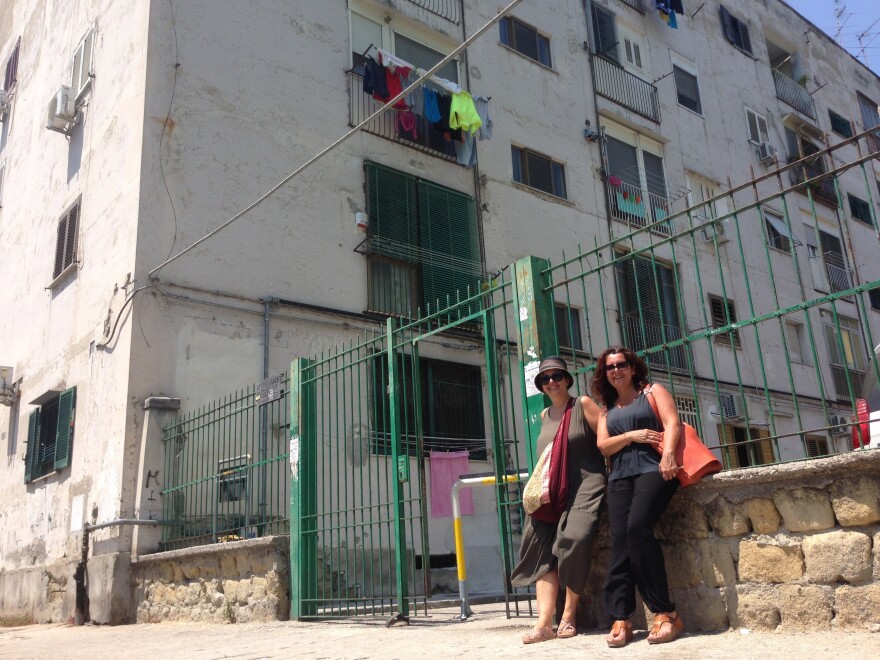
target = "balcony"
x: 448, y: 9
x: 648, y: 330
x: 796, y: 96
x: 844, y: 377
x: 616, y: 83
x: 822, y: 189
x: 839, y: 277
x: 633, y: 206
x: 638, y: 5
x: 426, y: 139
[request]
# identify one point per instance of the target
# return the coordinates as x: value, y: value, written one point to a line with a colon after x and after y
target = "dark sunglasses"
x: 623, y: 364
x: 556, y: 376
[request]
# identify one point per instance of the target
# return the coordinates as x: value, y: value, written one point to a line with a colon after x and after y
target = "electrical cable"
x: 390, y: 104
x: 165, y: 126
x: 131, y: 296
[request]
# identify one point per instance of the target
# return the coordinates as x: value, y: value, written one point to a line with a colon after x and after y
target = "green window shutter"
x: 33, y: 445
x: 392, y: 206
x: 64, y: 437
x: 448, y: 222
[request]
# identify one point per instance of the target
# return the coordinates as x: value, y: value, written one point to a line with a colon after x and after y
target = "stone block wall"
x: 221, y: 583
x: 790, y: 547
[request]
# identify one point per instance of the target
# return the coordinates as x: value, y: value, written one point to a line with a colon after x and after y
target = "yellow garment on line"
x: 463, y: 113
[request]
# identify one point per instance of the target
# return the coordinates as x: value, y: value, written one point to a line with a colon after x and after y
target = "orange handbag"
x: 695, y: 458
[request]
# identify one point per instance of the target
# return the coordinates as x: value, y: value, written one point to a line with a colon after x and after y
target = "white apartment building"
x: 132, y: 131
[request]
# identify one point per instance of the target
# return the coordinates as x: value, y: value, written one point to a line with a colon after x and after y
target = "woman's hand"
x: 668, y: 467
x: 644, y: 436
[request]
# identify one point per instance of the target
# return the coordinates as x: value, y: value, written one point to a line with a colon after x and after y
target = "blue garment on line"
x: 431, y: 109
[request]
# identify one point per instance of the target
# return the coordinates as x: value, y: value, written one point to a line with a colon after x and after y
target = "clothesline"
x: 388, y: 58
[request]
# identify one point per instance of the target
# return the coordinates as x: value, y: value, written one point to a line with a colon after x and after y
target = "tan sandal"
x: 536, y: 635
x: 621, y: 634
x: 676, y: 627
x: 566, y: 630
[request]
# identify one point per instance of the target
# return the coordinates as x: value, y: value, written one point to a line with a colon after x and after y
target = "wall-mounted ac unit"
x: 730, y: 406
x: 61, y: 114
x: 839, y: 424
x: 717, y: 231
x: 766, y: 152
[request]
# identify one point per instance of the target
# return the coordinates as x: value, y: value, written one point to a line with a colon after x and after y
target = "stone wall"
x: 790, y: 547
x: 222, y: 583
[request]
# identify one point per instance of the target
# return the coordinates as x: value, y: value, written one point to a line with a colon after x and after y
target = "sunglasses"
x: 623, y: 364
x: 556, y: 376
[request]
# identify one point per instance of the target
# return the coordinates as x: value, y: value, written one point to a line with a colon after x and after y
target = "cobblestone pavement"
x: 488, y: 634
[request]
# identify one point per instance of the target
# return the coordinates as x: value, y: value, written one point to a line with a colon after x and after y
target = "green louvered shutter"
x: 448, y: 223
x: 64, y: 438
x: 33, y: 445
x: 392, y: 208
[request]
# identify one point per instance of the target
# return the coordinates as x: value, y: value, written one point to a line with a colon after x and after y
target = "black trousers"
x: 635, y: 504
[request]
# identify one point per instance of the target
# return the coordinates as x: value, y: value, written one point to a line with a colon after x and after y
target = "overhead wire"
x: 388, y: 105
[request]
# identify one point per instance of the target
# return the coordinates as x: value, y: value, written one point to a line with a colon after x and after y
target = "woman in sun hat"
x: 554, y: 555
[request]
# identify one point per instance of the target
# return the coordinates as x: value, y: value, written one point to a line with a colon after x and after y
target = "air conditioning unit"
x: 716, y: 231
x: 766, y: 152
x: 840, y: 425
x: 730, y: 406
x: 62, y: 111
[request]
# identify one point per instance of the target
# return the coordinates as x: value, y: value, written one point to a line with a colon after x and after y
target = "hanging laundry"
x: 448, y: 85
x: 482, y: 105
x: 465, y: 153
x: 430, y: 110
x: 668, y: 9
x: 374, y: 80
x: 444, y: 103
x: 614, y: 181
x: 463, y: 113
x: 406, y: 123
x: 445, y: 470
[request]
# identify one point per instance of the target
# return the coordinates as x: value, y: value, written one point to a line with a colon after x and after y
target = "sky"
x: 857, y: 18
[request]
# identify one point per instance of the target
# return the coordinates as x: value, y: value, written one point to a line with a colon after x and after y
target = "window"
x: 526, y: 40
x: 537, y: 171
x: 649, y: 309
x: 847, y: 355
x: 700, y: 191
x: 835, y: 263
x: 81, y: 69
x: 633, y: 52
x: 743, y: 447
x: 794, y: 338
x: 605, y: 39
x: 723, y: 313
x: 423, y: 243
x: 65, y: 245
x: 365, y: 36
x: 686, y: 86
x: 11, y: 73
x: 451, y: 407
x: 779, y: 236
x: 860, y: 210
x: 870, y: 112
x: 758, y: 133
x: 817, y: 445
x: 839, y: 125
x: 636, y: 180
x: 568, y: 327
x: 735, y: 31
x: 874, y: 297
x: 50, y: 435
x: 687, y: 410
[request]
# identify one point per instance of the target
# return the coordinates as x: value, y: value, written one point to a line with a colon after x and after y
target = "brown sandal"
x: 621, y: 634
x: 536, y: 635
x: 676, y: 627
x: 566, y: 630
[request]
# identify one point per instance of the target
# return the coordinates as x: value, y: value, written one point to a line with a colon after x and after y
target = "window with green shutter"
x: 50, y: 435
x: 422, y: 241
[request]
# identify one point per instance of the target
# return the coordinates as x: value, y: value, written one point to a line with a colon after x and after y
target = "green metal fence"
x: 226, y: 469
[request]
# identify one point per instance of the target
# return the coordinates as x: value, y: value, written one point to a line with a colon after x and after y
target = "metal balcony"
x: 839, y: 278
x: 638, y: 5
x: 796, y: 96
x: 648, y: 330
x: 844, y: 378
x: 617, y: 84
x: 448, y: 9
x: 637, y: 208
x: 823, y: 189
x: 362, y: 106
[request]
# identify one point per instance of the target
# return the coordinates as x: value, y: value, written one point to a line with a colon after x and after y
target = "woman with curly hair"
x: 641, y: 484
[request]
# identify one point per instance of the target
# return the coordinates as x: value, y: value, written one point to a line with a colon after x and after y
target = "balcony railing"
x: 839, y: 277
x: 616, y: 83
x: 648, y: 330
x: 426, y: 138
x: 637, y: 208
x: 638, y: 5
x: 823, y: 189
x: 448, y: 9
x: 841, y: 384
x: 796, y: 96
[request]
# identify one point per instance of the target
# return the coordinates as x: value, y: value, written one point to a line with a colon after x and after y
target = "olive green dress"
x: 568, y: 543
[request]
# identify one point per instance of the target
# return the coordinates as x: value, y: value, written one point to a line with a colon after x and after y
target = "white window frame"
x: 641, y: 144
x: 794, y: 332
x: 632, y: 50
x: 776, y: 220
x: 689, y: 67
x: 82, y: 63
x: 757, y: 128
x: 853, y: 357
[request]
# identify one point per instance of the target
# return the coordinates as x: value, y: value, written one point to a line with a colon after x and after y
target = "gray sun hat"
x: 552, y: 363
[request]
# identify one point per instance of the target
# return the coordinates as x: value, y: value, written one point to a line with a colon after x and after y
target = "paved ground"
x: 488, y: 634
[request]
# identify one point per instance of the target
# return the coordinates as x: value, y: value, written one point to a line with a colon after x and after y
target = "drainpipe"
x: 268, y: 301
x: 81, y: 614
